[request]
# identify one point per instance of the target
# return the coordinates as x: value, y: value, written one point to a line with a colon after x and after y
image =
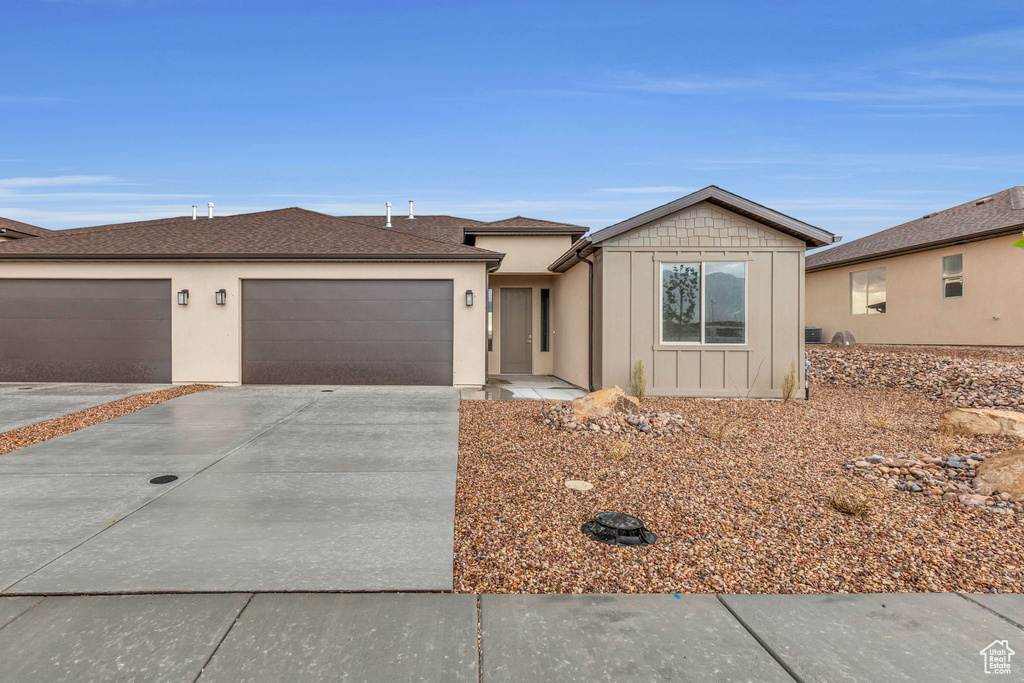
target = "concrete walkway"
x: 523, y: 388
x: 232, y: 637
x: 279, y: 489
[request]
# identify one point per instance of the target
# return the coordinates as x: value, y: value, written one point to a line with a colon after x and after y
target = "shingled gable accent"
x: 808, y: 234
x: 990, y: 216
x: 283, y: 234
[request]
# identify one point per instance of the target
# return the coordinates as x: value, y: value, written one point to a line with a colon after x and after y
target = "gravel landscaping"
x: 740, y: 504
x: 51, y: 429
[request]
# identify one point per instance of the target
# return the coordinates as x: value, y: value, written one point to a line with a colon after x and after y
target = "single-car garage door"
x: 347, y: 331
x: 85, y: 330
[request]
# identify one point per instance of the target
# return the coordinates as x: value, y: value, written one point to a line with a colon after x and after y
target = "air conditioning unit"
x: 812, y: 335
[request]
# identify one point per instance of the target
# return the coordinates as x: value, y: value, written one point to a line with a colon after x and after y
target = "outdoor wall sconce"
x: 469, y: 297
x: 183, y: 297
x: 221, y: 297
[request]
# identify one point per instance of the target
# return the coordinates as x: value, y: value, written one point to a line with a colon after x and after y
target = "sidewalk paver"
x: 314, y: 637
x: 618, y: 638
x: 116, y: 638
x: 874, y: 637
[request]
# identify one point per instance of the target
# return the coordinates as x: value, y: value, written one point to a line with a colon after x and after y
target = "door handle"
x: 529, y: 339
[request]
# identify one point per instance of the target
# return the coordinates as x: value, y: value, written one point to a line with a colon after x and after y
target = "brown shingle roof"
x: 23, y: 228
x: 282, y: 234
x: 990, y: 216
x: 444, y: 228
x: 531, y: 226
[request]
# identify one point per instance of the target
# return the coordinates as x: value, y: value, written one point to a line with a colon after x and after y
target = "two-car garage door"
x: 347, y: 332
x: 293, y: 331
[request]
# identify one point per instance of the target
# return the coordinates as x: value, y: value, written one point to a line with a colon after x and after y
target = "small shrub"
x: 724, y: 427
x: 849, y: 502
x: 638, y: 379
x: 944, y: 441
x: 880, y: 420
x: 790, y: 384
x: 619, y: 450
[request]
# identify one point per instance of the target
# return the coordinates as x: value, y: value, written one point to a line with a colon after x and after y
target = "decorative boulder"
x: 984, y: 421
x: 605, y: 402
x: 843, y: 338
x: 1003, y: 472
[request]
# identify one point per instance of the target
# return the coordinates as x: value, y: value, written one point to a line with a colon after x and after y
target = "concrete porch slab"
x: 391, y: 637
x: 122, y: 638
x: 618, y: 638
x: 930, y: 636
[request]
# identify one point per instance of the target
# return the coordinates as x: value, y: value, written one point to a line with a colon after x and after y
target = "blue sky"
x: 851, y: 116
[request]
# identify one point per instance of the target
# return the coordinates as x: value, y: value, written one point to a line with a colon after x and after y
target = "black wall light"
x: 469, y: 297
x: 221, y: 297
x: 183, y: 297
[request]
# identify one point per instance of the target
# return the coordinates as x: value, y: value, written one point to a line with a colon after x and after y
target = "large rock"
x: 605, y: 402
x: 1003, y: 472
x: 984, y: 421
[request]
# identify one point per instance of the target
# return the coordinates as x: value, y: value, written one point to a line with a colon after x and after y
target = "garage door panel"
x: 372, y: 351
x: 347, y: 331
x: 85, y: 330
x: 361, y: 330
x: 345, y: 311
x: 411, y: 373
x: 72, y: 308
x: 56, y: 370
x: 84, y: 350
x: 83, y: 290
x: 353, y: 290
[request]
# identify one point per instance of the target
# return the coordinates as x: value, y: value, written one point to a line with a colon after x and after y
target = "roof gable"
x: 983, y: 218
x: 809, y: 234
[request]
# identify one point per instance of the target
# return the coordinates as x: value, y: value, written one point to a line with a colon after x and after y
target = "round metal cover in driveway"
x: 163, y: 479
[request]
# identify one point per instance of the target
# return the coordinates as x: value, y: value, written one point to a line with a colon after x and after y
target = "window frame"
x: 867, y: 288
x: 953, y: 278
x: 702, y: 262
x: 490, y: 319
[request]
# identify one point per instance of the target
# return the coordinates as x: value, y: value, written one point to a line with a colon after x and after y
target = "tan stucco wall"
x: 526, y: 254
x: 916, y: 312
x: 571, y: 325
x: 543, y: 361
x: 630, y: 300
x: 206, y: 338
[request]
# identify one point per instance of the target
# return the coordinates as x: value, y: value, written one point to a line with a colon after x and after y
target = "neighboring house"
x: 296, y: 296
x: 13, y: 230
x: 951, y: 277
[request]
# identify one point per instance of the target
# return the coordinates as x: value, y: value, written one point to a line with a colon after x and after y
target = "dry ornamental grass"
x: 747, y: 513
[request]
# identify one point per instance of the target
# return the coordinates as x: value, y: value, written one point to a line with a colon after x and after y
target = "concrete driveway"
x: 279, y: 489
x: 25, y: 404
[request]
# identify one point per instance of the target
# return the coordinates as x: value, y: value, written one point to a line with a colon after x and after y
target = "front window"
x: 703, y: 303
x: 953, y: 276
x: 867, y: 291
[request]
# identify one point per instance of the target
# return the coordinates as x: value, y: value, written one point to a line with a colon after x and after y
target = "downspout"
x: 590, y: 321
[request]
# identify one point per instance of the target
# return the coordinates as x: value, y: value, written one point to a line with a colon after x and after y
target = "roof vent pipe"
x: 209, y: 208
x: 194, y: 210
x: 411, y: 216
x: 388, y: 223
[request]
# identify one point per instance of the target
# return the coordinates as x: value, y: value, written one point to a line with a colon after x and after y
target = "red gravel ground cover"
x: 59, y: 426
x: 739, y: 506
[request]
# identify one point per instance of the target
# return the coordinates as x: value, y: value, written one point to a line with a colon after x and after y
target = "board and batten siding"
x: 630, y: 298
